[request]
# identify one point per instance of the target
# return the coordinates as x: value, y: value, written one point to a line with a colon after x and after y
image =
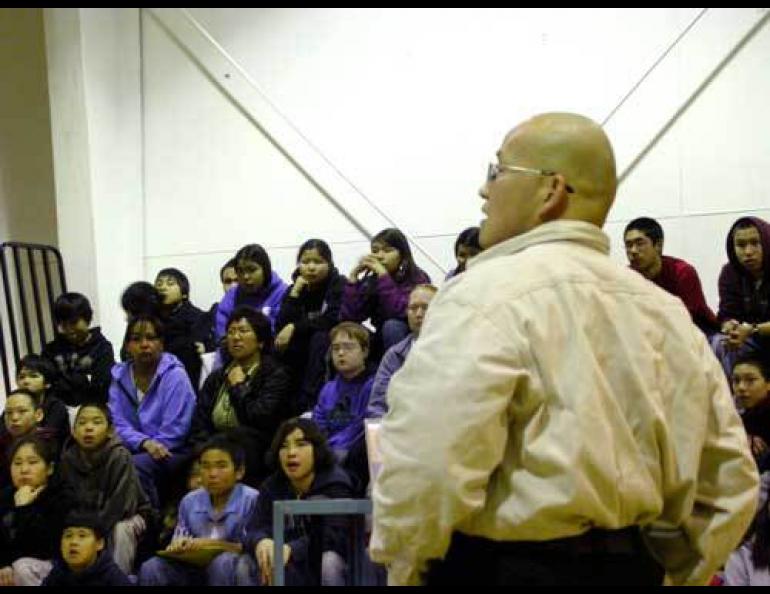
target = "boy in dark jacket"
x: 100, y: 471
x: 181, y: 321
x: 85, y: 562
x: 82, y: 355
x: 744, y: 293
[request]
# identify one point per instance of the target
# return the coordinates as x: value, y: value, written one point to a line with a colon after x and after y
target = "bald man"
x: 560, y: 421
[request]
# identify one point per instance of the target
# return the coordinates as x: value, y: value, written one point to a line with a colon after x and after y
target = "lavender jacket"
x: 391, y: 362
x: 341, y: 410
x: 165, y: 412
x: 268, y: 301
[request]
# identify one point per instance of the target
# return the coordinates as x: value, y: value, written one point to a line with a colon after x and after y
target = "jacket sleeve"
x: 260, y: 525
x: 393, y: 298
x: 321, y: 410
x: 101, y: 376
x: 378, y: 401
x: 257, y: 404
x: 692, y: 295
x: 336, y: 528
x: 178, y: 407
x: 201, y: 427
x: 730, y: 297
x: 418, y: 501
x: 725, y: 495
x: 291, y: 311
x: 123, y: 484
x: 355, y: 302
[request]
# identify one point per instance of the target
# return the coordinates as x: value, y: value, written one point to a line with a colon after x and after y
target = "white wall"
x: 94, y: 76
x: 410, y: 105
x: 27, y: 208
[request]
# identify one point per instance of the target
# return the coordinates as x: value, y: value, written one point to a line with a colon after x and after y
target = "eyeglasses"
x: 494, y: 170
x: 344, y: 347
x: 235, y: 331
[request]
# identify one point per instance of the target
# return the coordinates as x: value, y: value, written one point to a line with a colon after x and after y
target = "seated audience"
x: 259, y: 286
x: 751, y: 388
x: 152, y: 402
x: 315, y: 551
x: 310, y: 308
x: 181, y: 321
x: 744, y: 293
x: 378, y: 289
x: 32, y: 512
x: 214, y: 515
x: 249, y: 397
x: 100, y: 471
x: 419, y: 300
x: 37, y: 376
x: 139, y: 298
x: 643, y: 239
x: 466, y: 246
x: 22, y: 417
x: 85, y: 559
x: 82, y: 355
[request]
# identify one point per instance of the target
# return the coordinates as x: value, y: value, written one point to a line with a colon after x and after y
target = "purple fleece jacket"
x: 165, y: 412
x: 268, y: 301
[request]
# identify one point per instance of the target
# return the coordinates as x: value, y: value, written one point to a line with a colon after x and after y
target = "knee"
x: 222, y: 570
x: 246, y: 571
x: 151, y: 572
x: 333, y: 569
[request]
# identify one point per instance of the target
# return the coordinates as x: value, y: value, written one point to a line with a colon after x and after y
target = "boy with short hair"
x: 216, y: 515
x: 37, y: 375
x: 84, y: 558
x: 101, y: 472
x: 182, y: 321
x: 751, y: 388
x: 82, y: 355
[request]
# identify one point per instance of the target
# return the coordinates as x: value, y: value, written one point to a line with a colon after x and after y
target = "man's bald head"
x: 577, y: 148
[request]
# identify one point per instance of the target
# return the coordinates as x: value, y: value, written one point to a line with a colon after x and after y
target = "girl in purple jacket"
x: 258, y: 286
x: 378, y: 289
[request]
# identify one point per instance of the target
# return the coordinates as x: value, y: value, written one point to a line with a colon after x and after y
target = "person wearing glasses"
x: 643, y: 238
x: 342, y: 402
x: 560, y: 420
x: 247, y: 398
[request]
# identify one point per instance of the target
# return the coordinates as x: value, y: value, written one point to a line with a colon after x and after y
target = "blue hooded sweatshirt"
x: 267, y: 300
x: 165, y: 412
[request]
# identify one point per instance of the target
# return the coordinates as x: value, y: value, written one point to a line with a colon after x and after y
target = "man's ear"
x: 556, y: 199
